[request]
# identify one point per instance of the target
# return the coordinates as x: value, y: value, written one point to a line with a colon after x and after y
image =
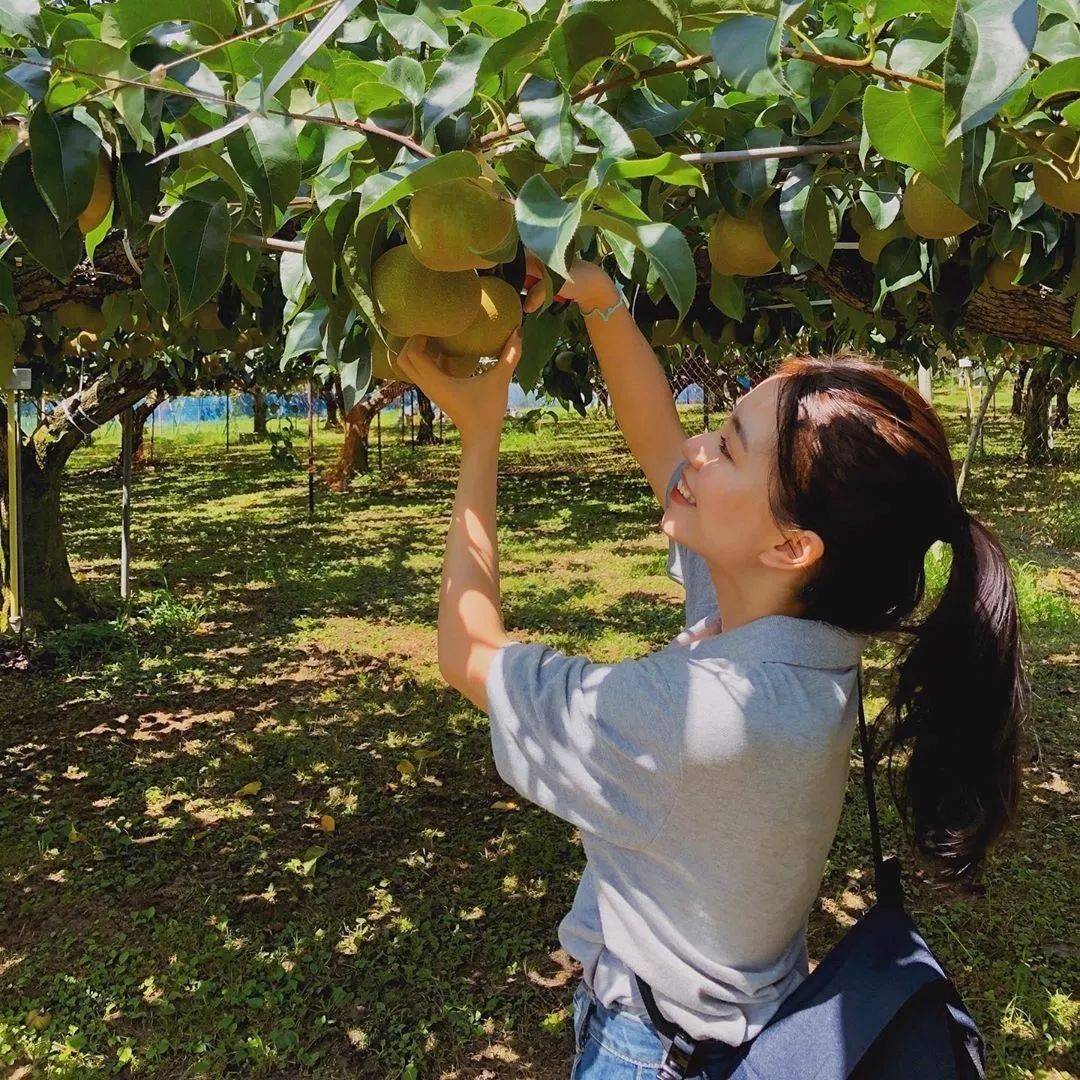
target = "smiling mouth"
x: 684, y: 491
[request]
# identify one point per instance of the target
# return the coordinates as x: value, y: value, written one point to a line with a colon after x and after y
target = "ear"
x: 799, y: 551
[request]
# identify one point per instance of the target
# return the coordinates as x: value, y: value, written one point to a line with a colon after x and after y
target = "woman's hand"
x: 476, y: 405
x: 587, y: 285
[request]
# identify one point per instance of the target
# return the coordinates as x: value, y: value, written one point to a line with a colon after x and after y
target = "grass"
x: 172, y: 902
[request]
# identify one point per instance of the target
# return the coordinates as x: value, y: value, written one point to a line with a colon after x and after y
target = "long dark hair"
x: 863, y: 461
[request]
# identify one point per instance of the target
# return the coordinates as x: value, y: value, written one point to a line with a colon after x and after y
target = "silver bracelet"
x: 606, y: 313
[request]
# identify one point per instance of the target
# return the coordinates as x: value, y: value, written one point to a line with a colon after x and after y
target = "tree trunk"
x: 1061, y: 412
x: 975, y: 434
x: 1036, y: 430
x: 258, y: 410
x: 331, y: 395
x: 1018, y: 388
x: 51, y: 594
x: 425, y: 433
x: 353, y: 456
x: 141, y: 413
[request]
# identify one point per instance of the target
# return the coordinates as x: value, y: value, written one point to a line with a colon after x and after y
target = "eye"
x: 724, y: 450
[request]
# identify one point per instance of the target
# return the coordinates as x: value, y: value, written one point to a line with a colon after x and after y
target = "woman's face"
x: 727, y: 517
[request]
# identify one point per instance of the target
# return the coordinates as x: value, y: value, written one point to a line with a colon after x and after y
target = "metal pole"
x: 310, y: 451
x: 412, y: 421
x: 705, y: 406
x: 227, y: 400
x: 15, y: 569
x: 126, y: 423
x: 378, y: 436
x: 153, y: 423
x: 440, y: 425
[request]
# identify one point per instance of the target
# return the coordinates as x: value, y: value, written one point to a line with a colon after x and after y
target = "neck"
x: 745, y: 596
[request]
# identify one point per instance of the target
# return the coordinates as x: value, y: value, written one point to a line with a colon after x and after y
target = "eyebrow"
x: 739, y: 429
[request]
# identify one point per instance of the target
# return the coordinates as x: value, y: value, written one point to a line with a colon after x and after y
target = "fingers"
x: 511, y: 353
x: 534, y: 298
x: 415, y: 359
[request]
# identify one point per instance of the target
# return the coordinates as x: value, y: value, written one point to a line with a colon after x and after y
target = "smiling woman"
x: 798, y: 530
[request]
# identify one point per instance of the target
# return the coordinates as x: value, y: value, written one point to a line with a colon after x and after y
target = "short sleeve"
x: 690, y: 570
x: 595, y: 744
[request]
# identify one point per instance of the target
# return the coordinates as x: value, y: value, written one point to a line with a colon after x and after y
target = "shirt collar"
x: 786, y: 640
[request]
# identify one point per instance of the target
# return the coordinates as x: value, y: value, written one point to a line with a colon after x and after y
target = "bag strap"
x: 886, y: 871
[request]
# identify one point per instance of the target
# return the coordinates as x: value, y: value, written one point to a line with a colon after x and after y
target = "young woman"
x: 707, y: 778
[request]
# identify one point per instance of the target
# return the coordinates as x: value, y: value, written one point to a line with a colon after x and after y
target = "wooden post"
x: 14, y: 459
x: 126, y: 422
x: 310, y: 450
x: 378, y: 437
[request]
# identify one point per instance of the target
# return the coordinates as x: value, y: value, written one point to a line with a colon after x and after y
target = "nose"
x: 694, y: 451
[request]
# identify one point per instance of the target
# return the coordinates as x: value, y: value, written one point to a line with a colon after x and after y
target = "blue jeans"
x: 615, y: 1045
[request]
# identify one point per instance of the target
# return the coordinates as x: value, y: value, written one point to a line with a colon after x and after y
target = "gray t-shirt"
x: 707, y: 780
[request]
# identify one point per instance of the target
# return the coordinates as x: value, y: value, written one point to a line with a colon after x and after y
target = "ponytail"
x: 863, y: 461
x: 957, y: 704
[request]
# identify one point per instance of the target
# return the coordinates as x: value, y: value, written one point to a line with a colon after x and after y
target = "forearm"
x: 640, y: 394
x: 470, y: 609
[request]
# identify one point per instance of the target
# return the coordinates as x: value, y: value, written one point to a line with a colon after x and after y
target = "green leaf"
x: 138, y: 190
x: 847, y: 90
x: 610, y: 133
x: 1071, y: 114
x: 310, y: 44
x: 386, y: 188
x: 321, y: 256
x: 989, y: 46
x: 545, y: 109
x: 423, y: 27
x: 1062, y: 78
x: 664, y: 246
x: 881, y: 196
x: 305, y: 333
x: 576, y: 42
x: 155, y: 282
x: 355, y: 370
x: 369, y: 97
x: 103, y: 63
x: 902, y: 262
x: 546, y: 223
x: 408, y: 76
x: 454, y: 83
x: 630, y: 18
x: 21, y: 18
x: 496, y: 22
x: 29, y: 216
x: 668, y: 167
x: 129, y: 20
x: 196, y: 240
x: 264, y: 153
x: 906, y: 126
x: 754, y: 176
x: 1076, y: 318
x: 519, y: 47
x: 727, y: 294
x: 64, y: 155
x: 807, y: 215
x: 540, y: 335
x: 741, y: 47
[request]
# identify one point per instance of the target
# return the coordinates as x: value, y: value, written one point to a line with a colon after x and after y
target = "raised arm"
x: 639, y: 390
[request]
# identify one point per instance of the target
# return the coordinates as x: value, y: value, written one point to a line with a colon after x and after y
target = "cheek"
x: 737, y: 501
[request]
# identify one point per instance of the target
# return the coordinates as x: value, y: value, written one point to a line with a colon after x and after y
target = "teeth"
x: 685, y: 492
